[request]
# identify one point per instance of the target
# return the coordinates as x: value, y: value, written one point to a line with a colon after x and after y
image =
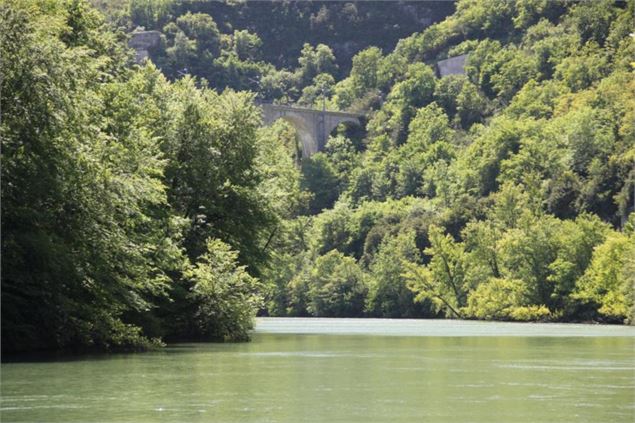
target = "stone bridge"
x: 313, y: 126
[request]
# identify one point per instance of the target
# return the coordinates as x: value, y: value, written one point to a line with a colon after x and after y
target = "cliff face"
x: 142, y: 41
x: 452, y: 66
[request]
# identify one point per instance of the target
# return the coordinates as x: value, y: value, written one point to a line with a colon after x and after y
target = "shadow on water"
x: 71, y: 356
x: 57, y: 356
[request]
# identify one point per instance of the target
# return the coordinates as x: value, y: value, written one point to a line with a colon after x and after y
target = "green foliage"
x: 137, y: 208
x: 523, y: 166
x: 388, y: 294
x: 443, y: 280
x: 336, y: 287
x: 313, y: 95
x: 224, y: 297
x: 607, y: 283
x: 592, y: 20
x: 276, y: 163
x: 149, y: 13
x: 429, y: 126
x: 211, y: 170
x: 536, y: 100
x: 499, y: 71
x: 285, y: 293
x: 201, y: 28
x: 319, y: 177
x: 577, y: 241
x: 503, y: 299
x: 246, y: 45
x: 83, y: 230
x: 580, y: 71
x: 526, y: 259
x: 460, y: 99
x: 113, y: 179
x: 266, y: 43
x: 314, y: 61
x: 341, y: 153
x: 364, y: 73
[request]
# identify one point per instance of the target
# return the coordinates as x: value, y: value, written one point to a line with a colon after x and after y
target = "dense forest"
x: 283, y: 51
x: 147, y: 203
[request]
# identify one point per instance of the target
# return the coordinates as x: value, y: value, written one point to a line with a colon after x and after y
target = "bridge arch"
x: 313, y: 126
x: 304, y: 131
x: 354, y: 131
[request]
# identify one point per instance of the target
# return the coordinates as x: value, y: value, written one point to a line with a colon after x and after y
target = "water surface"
x: 345, y: 370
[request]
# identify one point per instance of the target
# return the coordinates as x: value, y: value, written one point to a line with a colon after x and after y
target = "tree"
x: 479, y: 164
x: 592, y: 21
x: 211, y: 176
x: 404, y: 99
x: 447, y: 90
x: 607, y: 285
x: 430, y: 125
x: 201, y: 28
x: 442, y: 281
x: 515, y: 68
x: 503, y: 299
x: 149, y: 13
x: 276, y: 163
x: 314, y: 61
x: 365, y: 71
x: 336, y: 287
x: 388, y: 294
x: 85, y: 233
x: 578, y: 240
x: 319, y: 177
x: 313, y: 95
x: 461, y: 99
x: 583, y: 69
x: 181, y: 55
x: 246, y: 45
x: 224, y: 298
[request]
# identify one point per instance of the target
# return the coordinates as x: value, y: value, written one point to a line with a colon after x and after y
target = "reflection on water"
x: 321, y: 377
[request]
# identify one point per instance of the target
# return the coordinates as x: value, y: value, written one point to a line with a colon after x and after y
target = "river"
x: 345, y: 370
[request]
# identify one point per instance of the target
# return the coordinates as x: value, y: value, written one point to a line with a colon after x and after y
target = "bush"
x: 224, y: 296
x: 336, y: 287
x: 503, y: 299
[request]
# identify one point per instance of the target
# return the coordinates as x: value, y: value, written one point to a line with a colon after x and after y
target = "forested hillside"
x: 284, y: 51
x: 503, y: 193
x: 284, y: 27
x: 148, y: 203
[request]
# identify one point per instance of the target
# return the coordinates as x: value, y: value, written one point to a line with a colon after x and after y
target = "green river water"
x: 344, y: 370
